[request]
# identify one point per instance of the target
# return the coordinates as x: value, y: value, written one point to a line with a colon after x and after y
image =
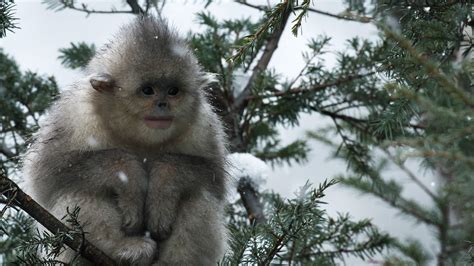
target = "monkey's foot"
x: 132, y: 221
x: 160, y: 225
x: 137, y: 251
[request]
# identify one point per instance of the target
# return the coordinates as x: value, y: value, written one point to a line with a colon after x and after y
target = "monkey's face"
x: 161, y: 100
x: 152, y: 92
x: 149, y: 112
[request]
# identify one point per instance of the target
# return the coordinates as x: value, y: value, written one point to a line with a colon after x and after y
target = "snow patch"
x: 247, y: 165
x: 393, y: 24
x: 123, y: 177
x: 91, y: 141
x: 304, y: 192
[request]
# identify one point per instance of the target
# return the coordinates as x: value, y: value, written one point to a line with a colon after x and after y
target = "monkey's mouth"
x: 160, y: 122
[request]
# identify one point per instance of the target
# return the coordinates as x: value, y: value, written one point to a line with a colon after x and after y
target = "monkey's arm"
x: 174, y: 178
x: 109, y: 186
x: 107, y: 175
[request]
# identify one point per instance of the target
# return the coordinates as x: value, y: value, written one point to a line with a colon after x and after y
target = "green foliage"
x: 22, y: 244
x: 43, y: 248
x: 24, y: 97
x: 299, y: 18
x: 420, y: 107
x: 16, y: 227
x: 274, y: 18
x: 415, y: 251
x: 298, y: 231
x: 256, y: 126
x: 216, y: 43
x: 77, y: 56
x: 7, y: 17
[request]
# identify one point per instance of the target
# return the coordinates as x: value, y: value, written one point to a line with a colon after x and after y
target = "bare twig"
x: 7, y: 152
x: 251, y: 201
x: 135, y: 8
x: 410, y: 174
x: 302, y: 71
x: 362, y: 19
x: 245, y: 3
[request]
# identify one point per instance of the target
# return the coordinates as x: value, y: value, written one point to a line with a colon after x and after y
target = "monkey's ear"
x: 102, y: 82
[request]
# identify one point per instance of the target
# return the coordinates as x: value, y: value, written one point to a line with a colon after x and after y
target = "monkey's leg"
x: 110, y: 188
x: 101, y: 220
x: 173, y: 179
x: 198, y: 236
x: 114, y: 174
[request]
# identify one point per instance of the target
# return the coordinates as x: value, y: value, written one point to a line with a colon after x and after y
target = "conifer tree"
x: 407, y: 95
x: 418, y: 106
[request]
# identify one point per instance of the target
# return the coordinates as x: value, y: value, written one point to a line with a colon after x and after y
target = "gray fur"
x: 94, y: 151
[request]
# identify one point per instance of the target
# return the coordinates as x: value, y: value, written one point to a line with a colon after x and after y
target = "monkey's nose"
x: 162, y: 104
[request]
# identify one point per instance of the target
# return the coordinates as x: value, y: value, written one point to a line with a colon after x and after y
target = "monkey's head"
x: 148, y: 86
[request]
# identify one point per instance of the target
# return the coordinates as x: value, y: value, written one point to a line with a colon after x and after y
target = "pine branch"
x: 262, y: 64
x: 385, y: 192
x: 292, y: 229
x: 431, y: 68
x: 280, y: 243
x: 26, y: 203
x: 314, y: 88
x: 7, y: 17
x: 77, y: 55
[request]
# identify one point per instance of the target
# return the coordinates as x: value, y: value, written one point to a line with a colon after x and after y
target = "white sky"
x: 35, y: 47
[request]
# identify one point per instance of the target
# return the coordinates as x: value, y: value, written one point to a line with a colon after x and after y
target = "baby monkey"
x: 137, y: 146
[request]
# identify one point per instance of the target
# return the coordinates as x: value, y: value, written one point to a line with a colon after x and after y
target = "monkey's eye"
x: 146, y: 90
x: 173, y: 91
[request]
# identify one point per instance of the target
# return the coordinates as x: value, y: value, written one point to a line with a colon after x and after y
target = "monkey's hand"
x: 162, y: 200
x: 130, y: 191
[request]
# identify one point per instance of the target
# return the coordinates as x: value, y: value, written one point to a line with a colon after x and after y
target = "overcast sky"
x: 35, y: 47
